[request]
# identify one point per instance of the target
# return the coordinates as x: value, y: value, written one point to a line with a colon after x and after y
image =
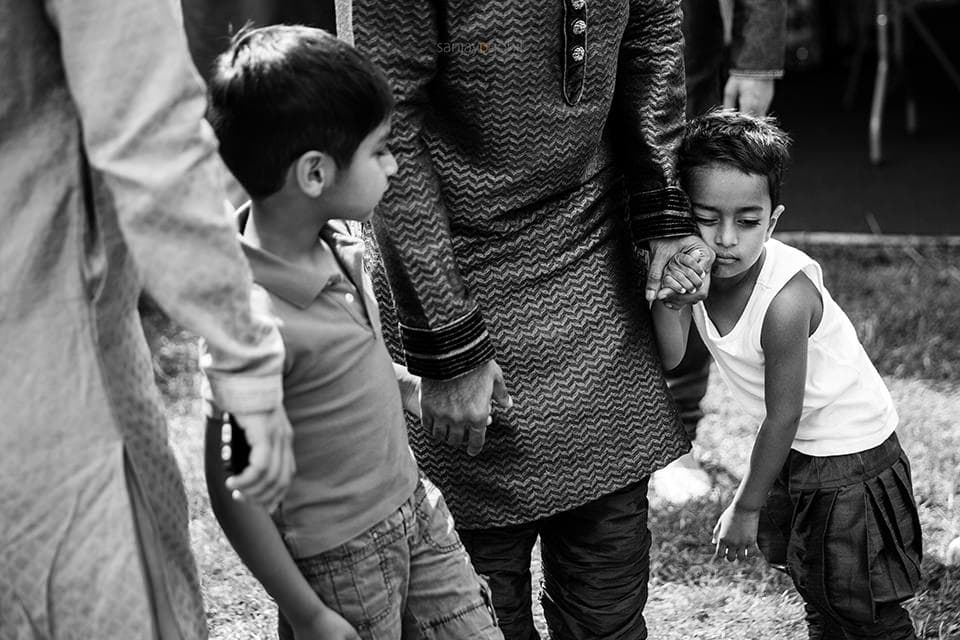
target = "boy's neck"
x: 741, y: 281
x: 728, y: 297
x: 285, y: 227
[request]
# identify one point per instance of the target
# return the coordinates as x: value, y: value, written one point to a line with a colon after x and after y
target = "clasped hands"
x: 679, y: 271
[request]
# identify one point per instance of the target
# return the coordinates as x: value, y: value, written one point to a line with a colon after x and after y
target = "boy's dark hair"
x: 752, y: 144
x: 283, y: 90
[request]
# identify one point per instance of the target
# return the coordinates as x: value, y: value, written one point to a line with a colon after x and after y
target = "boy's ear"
x: 314, y: 171
x: 774, y: 218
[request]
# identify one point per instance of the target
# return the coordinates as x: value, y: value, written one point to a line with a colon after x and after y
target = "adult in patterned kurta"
x: 532, y: 141
x: 109, y: 184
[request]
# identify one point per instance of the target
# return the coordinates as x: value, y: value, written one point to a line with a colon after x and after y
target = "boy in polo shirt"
x: 360, y: 547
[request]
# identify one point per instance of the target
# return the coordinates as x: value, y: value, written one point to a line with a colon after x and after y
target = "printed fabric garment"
x: 110, y: 183
x: 521, y: 134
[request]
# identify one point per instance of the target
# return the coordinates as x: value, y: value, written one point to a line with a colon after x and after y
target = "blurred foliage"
x: 903, y: 301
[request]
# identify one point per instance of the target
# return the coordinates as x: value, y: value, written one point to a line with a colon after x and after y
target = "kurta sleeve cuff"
x: 761, y: 74
x: 662, y: 213
x: 246, y: 394
x: 449, y: 351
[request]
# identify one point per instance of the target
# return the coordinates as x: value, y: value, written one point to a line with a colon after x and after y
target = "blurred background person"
x: 111, y: 185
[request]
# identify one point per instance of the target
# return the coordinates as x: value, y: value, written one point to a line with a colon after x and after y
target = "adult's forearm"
x: 759, y: 38
x: 442, y: 328
x: 158, y: 176
x: 649, y: 111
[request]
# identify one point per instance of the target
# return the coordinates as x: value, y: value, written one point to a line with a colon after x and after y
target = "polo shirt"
x: 354, y: 464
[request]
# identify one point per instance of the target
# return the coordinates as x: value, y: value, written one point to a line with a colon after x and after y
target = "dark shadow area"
x: 832, y: 185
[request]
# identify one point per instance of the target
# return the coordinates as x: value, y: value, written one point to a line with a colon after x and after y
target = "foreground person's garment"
x: 108, y: 183
x: 520, y: 134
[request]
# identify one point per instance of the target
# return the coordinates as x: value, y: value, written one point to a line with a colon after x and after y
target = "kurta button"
x: 579, y: 27
x: 578, y: 53
x: 578, y: 4
x: 348, y: 297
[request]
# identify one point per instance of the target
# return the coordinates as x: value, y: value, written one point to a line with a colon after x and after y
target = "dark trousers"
x: 596, y: 562
x: 892, y: 623
x: 846, y: 530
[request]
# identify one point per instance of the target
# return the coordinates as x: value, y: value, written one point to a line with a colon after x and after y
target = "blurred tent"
x: 829, y: 98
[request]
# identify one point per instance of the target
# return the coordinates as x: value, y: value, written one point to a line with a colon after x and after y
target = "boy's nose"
x: 727, y: 236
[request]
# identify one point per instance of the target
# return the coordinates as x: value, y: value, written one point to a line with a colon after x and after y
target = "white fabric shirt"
x: 846, y: 405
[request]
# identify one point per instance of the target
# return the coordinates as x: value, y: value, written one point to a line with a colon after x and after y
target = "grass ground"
x: 902, y: 302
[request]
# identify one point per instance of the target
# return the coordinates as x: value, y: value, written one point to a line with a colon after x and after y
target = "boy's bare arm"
x: 784, y: 337
x: 671, y: 328
x: 256, y: 540
x: 409, y: 388
x: 684, y: 275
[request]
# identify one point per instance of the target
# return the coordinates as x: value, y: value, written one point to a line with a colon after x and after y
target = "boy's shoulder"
x: 784, y: 261
x: 795, y: 284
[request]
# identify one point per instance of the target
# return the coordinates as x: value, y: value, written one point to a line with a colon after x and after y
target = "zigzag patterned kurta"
x: 521, y: 134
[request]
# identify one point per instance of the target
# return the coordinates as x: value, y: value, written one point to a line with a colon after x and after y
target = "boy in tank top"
x: 827, y: 495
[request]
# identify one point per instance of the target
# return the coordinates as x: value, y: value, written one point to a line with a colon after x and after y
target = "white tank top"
x: 846, y: 405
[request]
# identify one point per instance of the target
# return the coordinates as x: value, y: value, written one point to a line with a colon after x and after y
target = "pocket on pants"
x: 447, y: 598
x: 351, y: 580
x: 475, y: 619
x: 437, y: 524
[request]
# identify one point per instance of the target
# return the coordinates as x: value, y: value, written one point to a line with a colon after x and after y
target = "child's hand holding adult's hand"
x: 735, y: 533
x: 685, y: 279
x: 271, y: 467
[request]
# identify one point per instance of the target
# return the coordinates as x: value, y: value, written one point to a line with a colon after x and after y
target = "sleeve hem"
x: 449, y: 351
x: 761, y: 74
x: 661, y: 213
x: 246, y: 394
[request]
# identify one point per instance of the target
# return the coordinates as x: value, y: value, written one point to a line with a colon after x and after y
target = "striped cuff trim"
x: 449, y: 351
x: 452, y: 367
x: 762, y: 74
x: 662, y: 213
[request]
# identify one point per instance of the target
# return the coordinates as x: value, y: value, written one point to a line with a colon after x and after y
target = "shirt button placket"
x: 575, y: 45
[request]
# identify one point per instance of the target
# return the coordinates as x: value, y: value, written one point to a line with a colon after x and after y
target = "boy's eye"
x: 749, y: 223
x: 705, y: 221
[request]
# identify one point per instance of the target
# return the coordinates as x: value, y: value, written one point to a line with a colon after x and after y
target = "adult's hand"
x: 749, y: 95
x: 458, y: 410
x: 271, y: 467
x: 661, y: 252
